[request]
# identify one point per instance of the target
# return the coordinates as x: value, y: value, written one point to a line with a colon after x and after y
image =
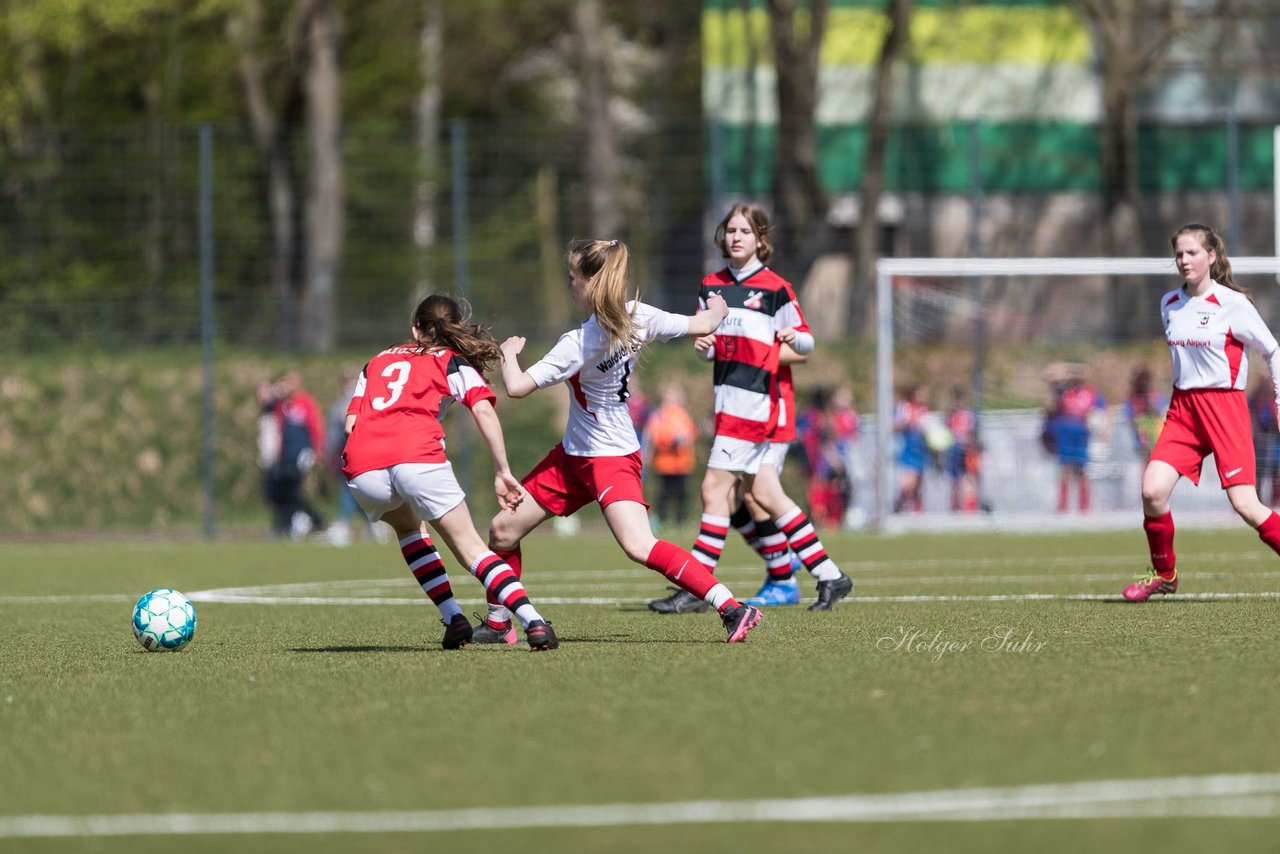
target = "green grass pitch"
x: 315, y: 688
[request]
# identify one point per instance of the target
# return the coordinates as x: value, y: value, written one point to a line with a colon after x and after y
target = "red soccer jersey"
x: 747, y: 348
x: 398, y: 402
x: 786, y: 429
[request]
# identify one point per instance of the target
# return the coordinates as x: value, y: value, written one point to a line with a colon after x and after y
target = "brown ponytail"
x: 443, y: 322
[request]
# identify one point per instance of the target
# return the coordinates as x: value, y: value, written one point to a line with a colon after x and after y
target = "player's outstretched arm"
x: 505, y: 486
x: 709, y: 319
x: 518, y: 383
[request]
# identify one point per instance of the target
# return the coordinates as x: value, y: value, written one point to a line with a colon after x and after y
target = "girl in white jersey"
x: 1208, y: 322
x: 599, y: 458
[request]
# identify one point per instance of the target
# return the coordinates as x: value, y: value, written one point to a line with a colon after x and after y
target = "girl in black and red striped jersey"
x: 764, y: 315
x: 395, y: 465
x: 1208, y: 322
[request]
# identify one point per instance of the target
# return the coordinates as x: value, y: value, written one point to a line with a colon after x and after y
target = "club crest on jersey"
x: 754, y: 300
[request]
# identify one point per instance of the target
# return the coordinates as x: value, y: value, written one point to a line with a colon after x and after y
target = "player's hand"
x: 703, y: 343
x: 716, y: 303
x: 513, y: 346
x: 508, y: 490
x: 787, y: 335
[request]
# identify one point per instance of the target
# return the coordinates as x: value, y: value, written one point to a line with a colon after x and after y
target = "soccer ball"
x: 164, y: 619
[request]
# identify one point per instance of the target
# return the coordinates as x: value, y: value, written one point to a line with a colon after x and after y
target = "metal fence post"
x: 207, y: 325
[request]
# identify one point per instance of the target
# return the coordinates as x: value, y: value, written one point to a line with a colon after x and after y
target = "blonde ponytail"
x: 604, y: 264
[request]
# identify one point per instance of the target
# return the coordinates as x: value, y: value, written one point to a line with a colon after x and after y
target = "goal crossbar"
x: 888, y: 268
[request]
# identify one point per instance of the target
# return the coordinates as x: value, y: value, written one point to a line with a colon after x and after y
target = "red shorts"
x: 1208, y: 421
x: 563, y: 485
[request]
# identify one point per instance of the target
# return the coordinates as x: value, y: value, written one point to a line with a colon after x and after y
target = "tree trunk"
x: 322, y: 84
x: 867, y: 234
x: 427, y: 116
x: 800, y: 202
x: 1130, y: 38
x: 601, y: 154
x: 271, y: 133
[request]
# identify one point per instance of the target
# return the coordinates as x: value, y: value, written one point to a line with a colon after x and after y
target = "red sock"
x: 682, y: 569
x: 1269, y: 531
x: 1160, y: 538
x: 511, y: 559
x: 1084, y: 495
x: 1064, y: 491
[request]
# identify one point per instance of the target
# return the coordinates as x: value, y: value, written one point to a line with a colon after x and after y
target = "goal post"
x: 887, y: 269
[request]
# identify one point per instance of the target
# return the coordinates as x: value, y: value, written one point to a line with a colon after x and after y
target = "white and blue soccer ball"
x: 164, y: 619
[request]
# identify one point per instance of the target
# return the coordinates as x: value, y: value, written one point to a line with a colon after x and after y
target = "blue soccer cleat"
x: 776, y: 593
x: 796, y: 563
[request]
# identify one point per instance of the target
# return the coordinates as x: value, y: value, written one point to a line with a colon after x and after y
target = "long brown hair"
x: 1220, y: 269
x: 442, y: 321
x: 603, y: 263
x: 758, y: 219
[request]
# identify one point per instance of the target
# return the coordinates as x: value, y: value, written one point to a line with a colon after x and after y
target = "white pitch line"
x: 1213, y: 796
x: 246, y: 597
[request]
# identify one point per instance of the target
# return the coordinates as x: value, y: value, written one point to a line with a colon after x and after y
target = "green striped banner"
x: 1015, y: 157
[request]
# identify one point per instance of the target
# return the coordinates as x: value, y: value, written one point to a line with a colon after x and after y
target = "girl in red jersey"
x: 749, y: 410
x: 396, y: 468
x: 599, y: 458
x: 1207, y: 322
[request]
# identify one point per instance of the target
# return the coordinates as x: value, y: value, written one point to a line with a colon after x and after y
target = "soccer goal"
x: 1005, y: 337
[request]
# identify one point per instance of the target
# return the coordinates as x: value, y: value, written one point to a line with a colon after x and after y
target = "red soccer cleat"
x: 1147, y: 586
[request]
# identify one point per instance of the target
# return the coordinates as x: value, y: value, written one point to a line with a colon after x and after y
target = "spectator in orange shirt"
x: 669, y: 439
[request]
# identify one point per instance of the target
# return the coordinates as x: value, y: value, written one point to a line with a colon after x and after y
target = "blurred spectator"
x: 340, y: 532
x: 1067, y: 433
x: 269, y: 450
x: 638, y: 408
x: 670, y: 437
x: 1262, y: 414
x: 301, y: 438
x: 964, y: 456
x: 828, y: 427
x: 909, y: 416
x: 1144, y: 410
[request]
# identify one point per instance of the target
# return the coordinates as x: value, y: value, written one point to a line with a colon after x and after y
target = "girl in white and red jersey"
x: 763, y: 316
x: 1208, y: 322
x: 599, y: 458
x: 395, y: 463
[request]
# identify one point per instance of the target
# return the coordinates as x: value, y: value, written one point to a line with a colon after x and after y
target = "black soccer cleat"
x: 457, y: 632
x: 484, y: 634
x: 738, y: 621
x: 680, y: 602
x: 831, y: 592
x: 541, y: 636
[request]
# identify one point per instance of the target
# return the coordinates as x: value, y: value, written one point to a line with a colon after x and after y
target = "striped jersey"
x: 1207, y: 336
x: 599, y: 423
x: 398, y: 402
x: 746, y: 349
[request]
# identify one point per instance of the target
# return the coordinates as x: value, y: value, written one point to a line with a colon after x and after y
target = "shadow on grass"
x: 1166, y: 601
x: 364, y: 649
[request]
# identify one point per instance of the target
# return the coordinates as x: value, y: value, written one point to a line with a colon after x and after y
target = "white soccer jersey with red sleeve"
x: 599, y: 422
x: 1207, y: 337
x: 746, y: 350
x: 398, y: 402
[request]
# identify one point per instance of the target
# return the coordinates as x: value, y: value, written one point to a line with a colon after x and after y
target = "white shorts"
x: 430, y: 488
x: 737, y: 455
x: 776, y: 456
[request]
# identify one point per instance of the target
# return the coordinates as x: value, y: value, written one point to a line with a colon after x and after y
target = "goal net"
x: 1036, y: 360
